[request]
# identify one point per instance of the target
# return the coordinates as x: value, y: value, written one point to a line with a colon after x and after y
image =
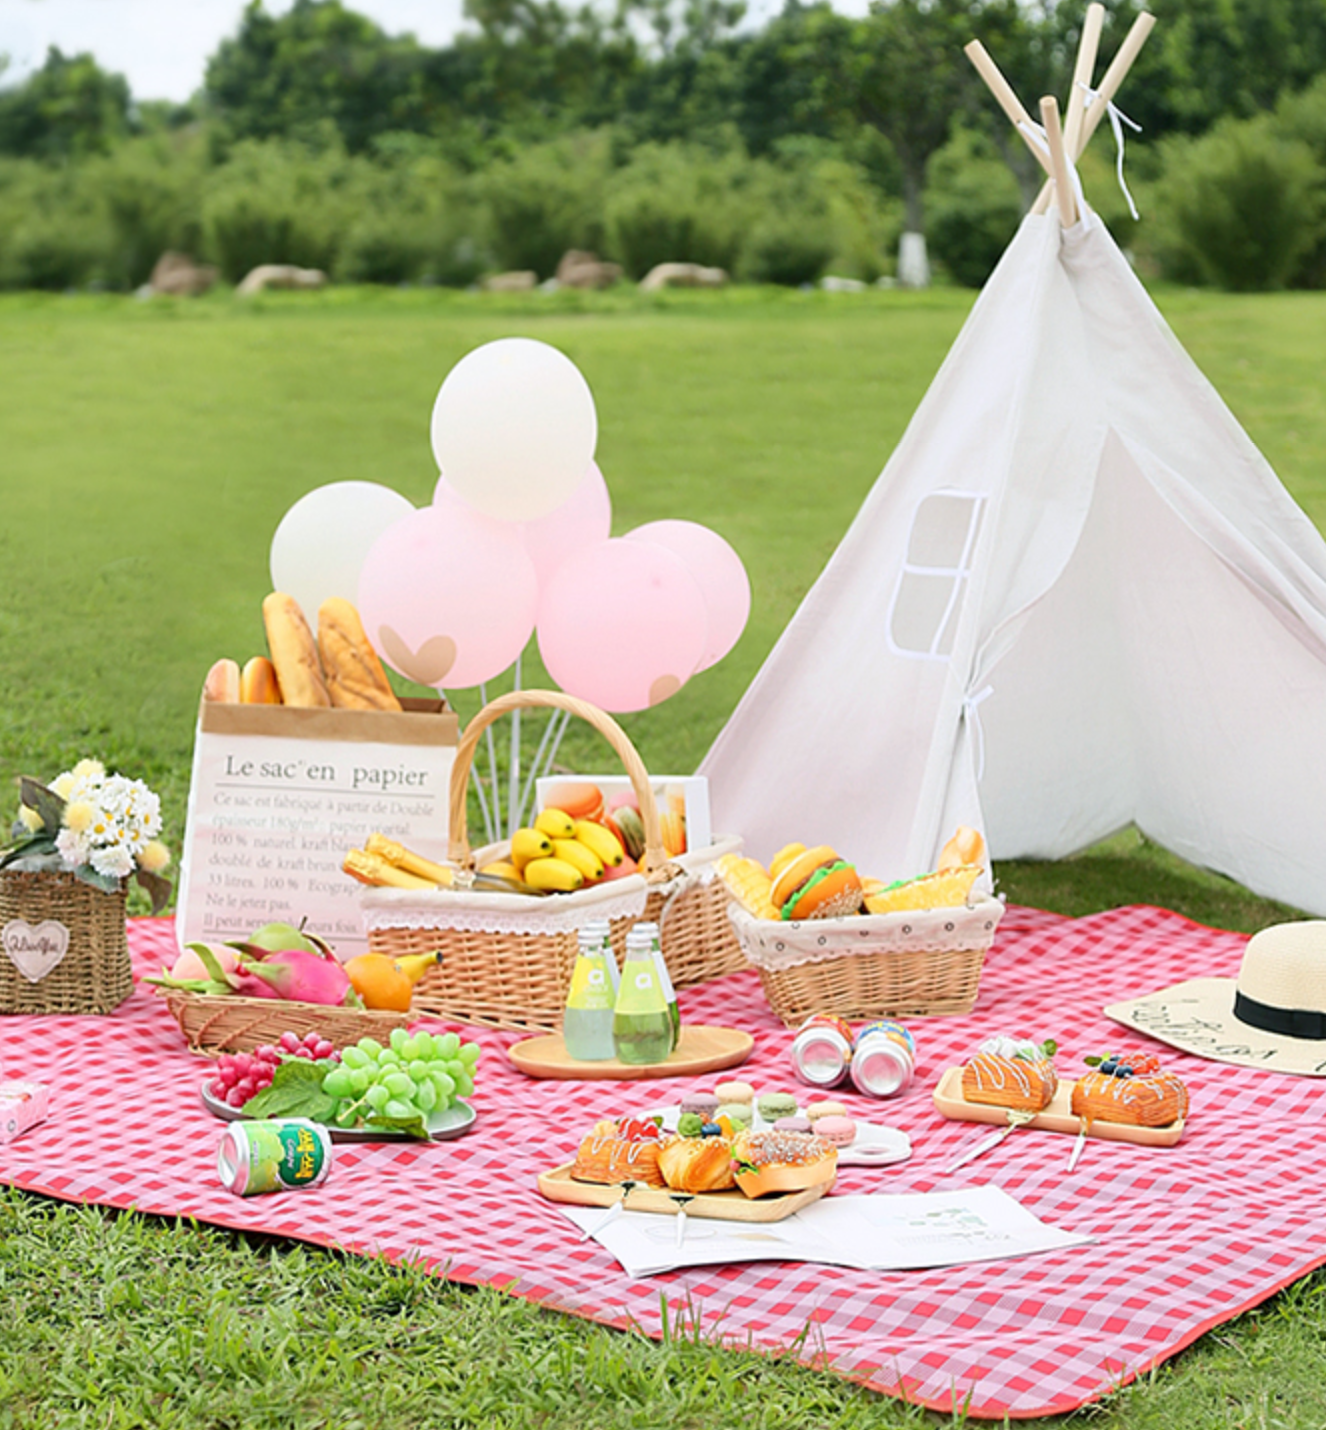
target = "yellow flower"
x: 154, y: 856
x: 31, y: 820
x: 89, y: 770
x: 78, y: 816
x: 64, y: 784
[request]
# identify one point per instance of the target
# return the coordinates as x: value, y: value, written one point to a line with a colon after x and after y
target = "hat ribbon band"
x: 1290, y: 1022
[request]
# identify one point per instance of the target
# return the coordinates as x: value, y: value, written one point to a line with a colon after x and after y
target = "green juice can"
x: 281, y: 1155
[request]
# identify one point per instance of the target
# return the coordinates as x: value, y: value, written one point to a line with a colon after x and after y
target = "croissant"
x: 697, y: 1164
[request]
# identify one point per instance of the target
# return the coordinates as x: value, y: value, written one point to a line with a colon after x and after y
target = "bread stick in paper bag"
x: 354, y: 674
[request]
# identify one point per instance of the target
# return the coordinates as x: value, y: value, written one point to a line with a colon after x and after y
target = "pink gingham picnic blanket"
x: 1187, y: 1237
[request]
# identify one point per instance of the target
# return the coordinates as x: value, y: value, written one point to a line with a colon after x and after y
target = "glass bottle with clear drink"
x: 641, y: 1023
x: 588, y: 1018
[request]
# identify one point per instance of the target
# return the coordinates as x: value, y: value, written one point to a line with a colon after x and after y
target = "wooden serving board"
x: 1057, y: 1117
x: 735, y: 1205
x: 700, y: 1049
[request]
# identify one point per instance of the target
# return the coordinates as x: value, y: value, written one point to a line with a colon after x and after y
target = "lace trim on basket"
x: 772, y: 944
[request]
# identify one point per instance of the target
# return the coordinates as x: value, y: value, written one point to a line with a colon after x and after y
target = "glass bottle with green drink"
x: 664, y: 977
x: 641, y: 1024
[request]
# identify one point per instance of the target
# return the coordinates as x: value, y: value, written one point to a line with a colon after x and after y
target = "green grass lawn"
x: 147, y: 452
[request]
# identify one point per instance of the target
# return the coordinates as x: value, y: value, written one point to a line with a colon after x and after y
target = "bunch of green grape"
x: 417, y: 1075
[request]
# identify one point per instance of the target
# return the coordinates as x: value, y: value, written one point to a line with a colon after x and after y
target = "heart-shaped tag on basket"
x: 34, y: 951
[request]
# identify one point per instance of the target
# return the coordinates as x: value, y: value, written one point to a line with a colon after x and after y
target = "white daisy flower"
x: 115, y: 861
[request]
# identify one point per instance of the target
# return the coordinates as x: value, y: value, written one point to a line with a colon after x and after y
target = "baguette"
x: 354, y: 674
x: 294, y: 652
x: 222, y: 682
x: 258, y: 684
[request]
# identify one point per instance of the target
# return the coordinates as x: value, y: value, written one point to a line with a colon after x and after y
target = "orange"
x: 379, y: 982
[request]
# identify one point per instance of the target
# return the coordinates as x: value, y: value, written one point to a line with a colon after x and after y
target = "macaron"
x: 737, y: 1113
x: 735, y: 1092
x: 816, y: 1110
x: 792, y: 1124
x: 774, y: 1105
x: 840, y: 1131
x: 705, y: 1104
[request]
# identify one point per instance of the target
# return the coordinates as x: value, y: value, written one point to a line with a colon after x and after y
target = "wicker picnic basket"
x: 213, y: 1025
x: 507, y: 958
x: 64, y: 945
x: 917, y: 964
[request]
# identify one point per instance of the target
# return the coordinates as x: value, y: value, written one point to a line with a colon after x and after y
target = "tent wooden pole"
x: 1109, y: 87
x: 1059, y: 168
x: 1084, y: 71
x: 1003, y: 92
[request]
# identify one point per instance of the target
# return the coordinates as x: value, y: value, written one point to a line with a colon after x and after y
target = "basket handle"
x: 655, y: 856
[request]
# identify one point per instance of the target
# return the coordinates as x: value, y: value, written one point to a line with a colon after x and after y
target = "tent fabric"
x: 1077, y: 597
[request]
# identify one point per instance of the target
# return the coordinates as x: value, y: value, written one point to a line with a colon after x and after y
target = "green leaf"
x: 31, y: 846
x: 157, y: 888
x: 107, y: 883
x: 46, y: 802
x: 411, y: 1126
x: 294, y: 1091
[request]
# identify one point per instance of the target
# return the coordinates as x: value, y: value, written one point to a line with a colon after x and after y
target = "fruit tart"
x: 621, y: 1150
x: 698, y: 1158
x: 767, y: 1162
x: 1129, y: 1087
x: 1011, y: 1072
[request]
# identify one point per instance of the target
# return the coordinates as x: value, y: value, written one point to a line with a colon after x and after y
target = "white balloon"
x: 321, y: 542
x: 514, y: 428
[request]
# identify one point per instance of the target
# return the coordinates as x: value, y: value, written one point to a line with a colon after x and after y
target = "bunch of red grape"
x: 240, y: 1076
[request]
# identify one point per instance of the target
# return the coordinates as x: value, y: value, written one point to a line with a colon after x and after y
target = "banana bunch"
x: 749, y: 882
x: 559, y: 854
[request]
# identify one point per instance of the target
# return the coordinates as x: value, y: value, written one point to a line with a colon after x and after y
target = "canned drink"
x: 882, y: 1063
x: 896, y: 1031
x: 822, y: 1050
x: 276, y: 1156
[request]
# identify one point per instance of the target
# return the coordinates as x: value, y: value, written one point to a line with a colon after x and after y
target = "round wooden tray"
x: 700, y: 1049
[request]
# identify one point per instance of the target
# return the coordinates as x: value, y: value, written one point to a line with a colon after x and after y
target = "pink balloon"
x: 586, y: 517
x: 718, y: 572
x: 622, y: 624
x: 448, y: 596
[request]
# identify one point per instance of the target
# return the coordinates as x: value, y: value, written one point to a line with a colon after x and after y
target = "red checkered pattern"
x: 1187, y: 1237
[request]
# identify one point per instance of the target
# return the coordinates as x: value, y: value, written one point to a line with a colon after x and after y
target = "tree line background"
x: 666, y: 130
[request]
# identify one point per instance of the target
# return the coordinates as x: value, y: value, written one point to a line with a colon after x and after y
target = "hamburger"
x: 816, y: 884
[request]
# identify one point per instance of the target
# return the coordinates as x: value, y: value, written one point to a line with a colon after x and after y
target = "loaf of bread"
x: 354, y: 674
x: 258, y: 684
x: 222, y: 682
x: 294, y: 652
x: 697, y: 1164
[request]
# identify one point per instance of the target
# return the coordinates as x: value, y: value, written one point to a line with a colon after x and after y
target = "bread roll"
x: 222, y: 682
x: 294, y: 653
x: 770, y: 1162
x: 258, y: 684
x: 697, y: 1164
x: 611, y: 1158
x: 354, y: 674
x: 1153, y: 1100
x: 998, y: 1081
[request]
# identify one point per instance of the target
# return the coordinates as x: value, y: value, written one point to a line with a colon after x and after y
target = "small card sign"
x: 279, y: 796
x: 34, y: 951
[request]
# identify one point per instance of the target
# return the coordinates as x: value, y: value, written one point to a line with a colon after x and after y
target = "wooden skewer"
x: 1063, y: 185
x: 1084, y: 72
x: 1003, y: 92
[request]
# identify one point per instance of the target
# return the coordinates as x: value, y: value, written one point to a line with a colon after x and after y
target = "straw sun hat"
x: 1272, y: 1016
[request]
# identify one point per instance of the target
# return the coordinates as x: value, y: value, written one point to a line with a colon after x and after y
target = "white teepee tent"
x: 1077, y: 596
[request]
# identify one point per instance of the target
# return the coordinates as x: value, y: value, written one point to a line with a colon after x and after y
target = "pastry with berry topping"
x: 620, y: 1150
x: 1011, y: 1072
x: 1129, y: 1087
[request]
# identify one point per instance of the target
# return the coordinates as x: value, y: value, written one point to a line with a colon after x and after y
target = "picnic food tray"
x: 699, y: 1049
x: 1057, y: 1117
x: 559, y: 1186
x: 507, y: 958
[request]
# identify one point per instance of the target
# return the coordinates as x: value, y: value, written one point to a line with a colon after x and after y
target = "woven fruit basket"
x: 228, y: 1024
x: 64, y: 945
x: 507, y: 958
x: 917, y: 964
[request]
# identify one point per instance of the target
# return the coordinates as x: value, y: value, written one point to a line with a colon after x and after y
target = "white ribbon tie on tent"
x: 1117, y: 119
x: 1036, y: 133
x: 971, y: 712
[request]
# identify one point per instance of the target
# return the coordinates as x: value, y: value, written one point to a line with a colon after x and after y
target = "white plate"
x: 875, y: 1145
x: 442, y: 1126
